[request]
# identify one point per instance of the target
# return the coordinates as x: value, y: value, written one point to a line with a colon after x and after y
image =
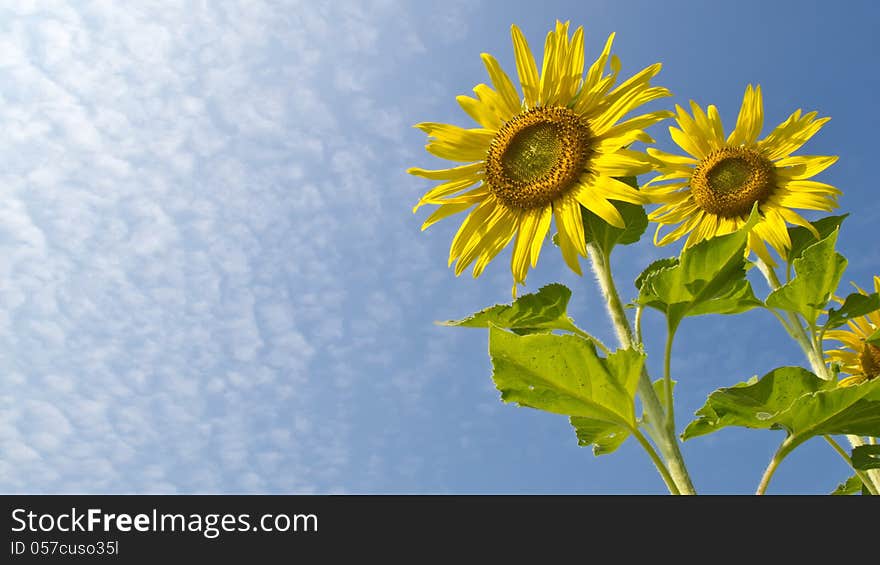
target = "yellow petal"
x: 622, y: 163
x: 479, y: 112
x: 803, y: 166
x: 599, y: 206
x: 569, y: 222
x: 684, y: 141
x: 503, y: 232
x: 448, y: 174
x: 527, y: 227
x: 791, y: 135
x: 542, y: 225
x: 715, y: 122
x: 525, y: 67
x: 444, y: 189
x: 678, y: 232
x: 469, y: 227
x: 750, y: 119
x: 493, y: 101
x: 698, y: 136
x: 613, y: 189
x: 444, y: 211
x: 503, y: 84
x: 757, y: 245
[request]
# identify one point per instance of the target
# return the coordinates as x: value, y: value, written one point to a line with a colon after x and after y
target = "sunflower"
x: 859, y: 359
x: 539, y: 156
x: 714, y: 190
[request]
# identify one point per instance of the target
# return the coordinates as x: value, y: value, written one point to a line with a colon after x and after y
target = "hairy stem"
x: 658, y: 462
x: 667, y: 381
x: 666, y: 442
x: 845, y: 456
x: 780, y: 454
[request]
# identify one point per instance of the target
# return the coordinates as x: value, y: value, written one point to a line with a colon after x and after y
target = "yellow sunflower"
x: 857, y: 358
x: 715, y: 188
x: 539, y: 156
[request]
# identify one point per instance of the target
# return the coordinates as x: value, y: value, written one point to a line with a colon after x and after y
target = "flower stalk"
x: 655, y: 415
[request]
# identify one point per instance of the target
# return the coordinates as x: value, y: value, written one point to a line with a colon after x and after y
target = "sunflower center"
x: 870, y: 360
x: 537, y: 156
x: 729, y: 181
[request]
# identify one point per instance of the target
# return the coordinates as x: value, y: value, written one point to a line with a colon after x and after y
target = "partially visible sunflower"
x: 716, y: 187
x: 859, y: 359
x: 541, y: 156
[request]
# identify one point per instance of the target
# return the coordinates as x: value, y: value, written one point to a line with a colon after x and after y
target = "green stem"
x: 666, y: 442
x: 639, y: 310
x: 658, y: 462
x: 860, y: 474
x: 667, y: 381
x: 780, y: 454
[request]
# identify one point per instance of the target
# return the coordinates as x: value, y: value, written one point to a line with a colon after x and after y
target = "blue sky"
x: 212, y: 280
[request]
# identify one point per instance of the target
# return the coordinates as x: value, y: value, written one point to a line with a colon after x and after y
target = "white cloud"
x: 196, y: 230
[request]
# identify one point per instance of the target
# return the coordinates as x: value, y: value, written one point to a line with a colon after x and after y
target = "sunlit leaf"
x: 709, y: 278
x: 855, y: 305
x: 852, y: 485
x: 794, y: 400
x: 541, y: 311
x: 801, y: 237
x: 605, y: 437
x: 818, y: 273
x: 563, y: 374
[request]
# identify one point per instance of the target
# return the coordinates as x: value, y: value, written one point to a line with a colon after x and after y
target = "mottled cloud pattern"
x: 207, y: 251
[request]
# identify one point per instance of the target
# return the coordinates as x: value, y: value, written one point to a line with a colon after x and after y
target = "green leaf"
x: 654, y: 268
x: 660, y: 391
x: 818, y: 273
x: 852, y: 485
x: 754, y: 403
x: 607, y: 236
x: 709, y: 278
x: 866, y: 457
x: 801, y: 238
x: 605, y: 437
x: 541, y: 311
x: 563, y: 374
x: 873, y: 338
x: 855, y: 305
x: 794, y: 400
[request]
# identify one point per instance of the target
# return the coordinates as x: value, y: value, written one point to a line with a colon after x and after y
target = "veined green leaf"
x: 852, y: 485
x: 866, y: 457
x: 605, y: 437
x: 801, y: 237
x: 660, y: 391
x: 653, y: 268
x: 708, y: 278
x: 855, y: 305
x: 563, y: 374
x: 541, y: 311
x: 794, y: 400
x: 818, y: 273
